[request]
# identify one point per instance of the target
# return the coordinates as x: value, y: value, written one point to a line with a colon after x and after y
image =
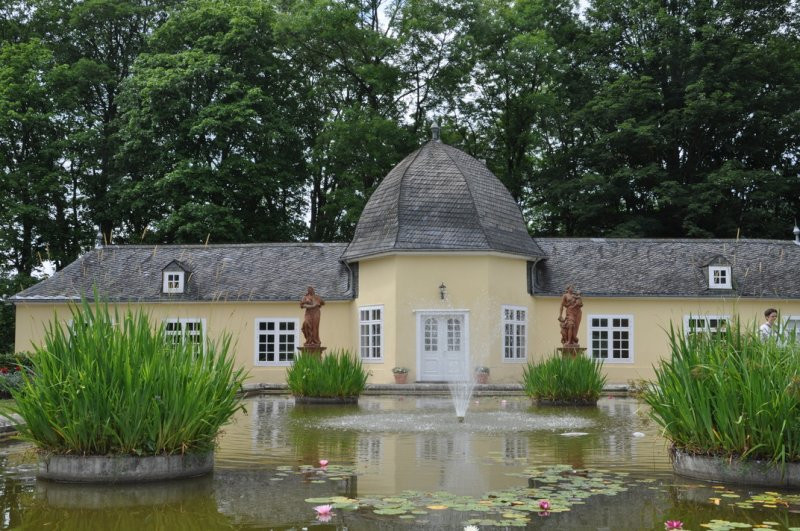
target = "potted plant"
x: 400, y: 375
x: 482, y: 374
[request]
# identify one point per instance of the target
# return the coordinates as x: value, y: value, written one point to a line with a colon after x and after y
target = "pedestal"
x: 571, y: 351
x: 312, y: 351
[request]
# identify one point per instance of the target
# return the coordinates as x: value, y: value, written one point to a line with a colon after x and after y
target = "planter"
x: 326, y: 400
x: 736, y: 471
x: 400, y: 377
x: 123, y: 468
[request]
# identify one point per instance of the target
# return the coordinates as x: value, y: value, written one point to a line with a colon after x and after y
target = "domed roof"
x: 441, y: 199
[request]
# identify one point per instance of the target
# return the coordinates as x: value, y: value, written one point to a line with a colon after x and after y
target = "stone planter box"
x: 123, y: 468
x: 735, y: 471
x: 325, y: 400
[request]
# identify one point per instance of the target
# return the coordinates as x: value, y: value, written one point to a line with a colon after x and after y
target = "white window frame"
x: 610, y: 328
x: 515, y: 347
x: 706, y: 317
x: 371, y: 335
x: 277, y: 321
x: 713, y: 278
x: 183, y: 321
x: 167, y: 286
x: 785, y: 331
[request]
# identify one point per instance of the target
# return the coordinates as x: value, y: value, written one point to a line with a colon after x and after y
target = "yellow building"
x: 441, y: 277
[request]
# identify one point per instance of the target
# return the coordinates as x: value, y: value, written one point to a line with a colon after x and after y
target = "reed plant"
x: 339, y: 374
x: 730, y: 394
x: 114, y: 385
x: 560, y: 379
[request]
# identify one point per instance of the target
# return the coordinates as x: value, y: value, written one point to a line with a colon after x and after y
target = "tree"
x: 372, y: 70
x: 29, y: 152
x: 96, y: 42
x: 211, y: 140
x: 696, y: 118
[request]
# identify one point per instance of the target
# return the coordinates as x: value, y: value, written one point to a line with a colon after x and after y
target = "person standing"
x: 768, y: 329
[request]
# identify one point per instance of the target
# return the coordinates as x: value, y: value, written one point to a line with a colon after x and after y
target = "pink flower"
x: 544, y: 505
x: 673, y: 524
x: 324, y: 512
x: 323, y: 463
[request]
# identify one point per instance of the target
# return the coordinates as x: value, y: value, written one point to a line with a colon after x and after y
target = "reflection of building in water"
x: 620, y: 439
x: 369, y: 451
x: 434, y: 447
x: 267, y: 416
x: 515, y: 447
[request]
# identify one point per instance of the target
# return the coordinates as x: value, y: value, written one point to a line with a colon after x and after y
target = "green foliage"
x: 564, y: 379
x: 336, y: 375
x: 729, y: 394
x: 114, y: 385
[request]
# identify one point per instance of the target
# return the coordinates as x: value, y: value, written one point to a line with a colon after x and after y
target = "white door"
x: 442, y: 349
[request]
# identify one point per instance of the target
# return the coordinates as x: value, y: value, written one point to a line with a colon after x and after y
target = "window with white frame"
x: 184, y: 331
x: 370, y: 326
x: 515, y: 332
x: 611, y: 338
x: 705, y: 324
x: 719, y: 277
x: 276, y: 341
x: 173, y: 282
x: 791, y: 328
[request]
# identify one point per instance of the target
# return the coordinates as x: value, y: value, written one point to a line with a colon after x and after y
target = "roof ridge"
x: 471, y: 195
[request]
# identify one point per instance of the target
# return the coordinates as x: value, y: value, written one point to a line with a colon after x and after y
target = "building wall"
x: 336, y: 330
x: 651, y: 323
x: 479, y: 285
x: 407, y: 284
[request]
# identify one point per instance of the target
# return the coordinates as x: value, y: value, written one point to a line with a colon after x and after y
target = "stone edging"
x: 325, y: 400
x: 735, y: 471
x: 123, y: 468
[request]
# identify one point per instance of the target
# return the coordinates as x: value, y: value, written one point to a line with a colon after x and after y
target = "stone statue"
x: 569, y: 315
x: 312, y: 303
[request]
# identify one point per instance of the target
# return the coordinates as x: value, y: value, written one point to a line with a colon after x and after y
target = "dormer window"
x: 173, y: 281
x: 719, y: 277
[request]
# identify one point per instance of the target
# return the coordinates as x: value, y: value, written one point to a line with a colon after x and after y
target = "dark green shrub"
x: 337, y: 375
x: 116, y: 386
x: 564, y: 379
x: 730, y: 394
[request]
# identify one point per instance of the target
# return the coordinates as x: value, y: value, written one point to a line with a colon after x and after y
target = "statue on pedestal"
x: 569, y: 315
x: 312, y: 303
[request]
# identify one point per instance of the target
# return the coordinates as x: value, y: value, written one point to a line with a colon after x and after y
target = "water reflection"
x: 382, y: 447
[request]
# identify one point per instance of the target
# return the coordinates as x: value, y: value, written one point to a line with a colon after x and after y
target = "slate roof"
x: 639, y: 267
x: 247, y: 272
x: 441, y: 199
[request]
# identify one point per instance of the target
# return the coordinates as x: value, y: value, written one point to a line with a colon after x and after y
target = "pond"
x: 406, y: 462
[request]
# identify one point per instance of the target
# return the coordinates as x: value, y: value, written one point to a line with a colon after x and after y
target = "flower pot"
x: 400, y: 377
x: 482, y: 377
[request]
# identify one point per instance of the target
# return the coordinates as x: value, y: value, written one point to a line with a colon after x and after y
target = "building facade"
x: 441, y: 277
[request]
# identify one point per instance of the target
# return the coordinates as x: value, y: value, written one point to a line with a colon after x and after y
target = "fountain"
x: 461, y: 393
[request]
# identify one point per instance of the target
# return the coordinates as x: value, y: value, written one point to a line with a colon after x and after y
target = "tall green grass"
x: 337, y: 375
x: 117, y: 386
x: 564, y: 379
x: 730, y: 394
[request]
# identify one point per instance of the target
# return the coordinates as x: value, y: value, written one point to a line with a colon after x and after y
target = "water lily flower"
x: 544, y: 505
x: 673, y: 524
x: 323, y: 463
x: 324, y: 512
x: 471, y: 528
